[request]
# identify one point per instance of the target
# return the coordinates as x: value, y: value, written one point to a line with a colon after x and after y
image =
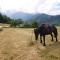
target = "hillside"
x: 37, y: 17
x: 42, y: 18
x: 21, y: 15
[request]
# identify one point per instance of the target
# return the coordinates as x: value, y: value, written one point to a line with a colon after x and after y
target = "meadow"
x: 19, y: 44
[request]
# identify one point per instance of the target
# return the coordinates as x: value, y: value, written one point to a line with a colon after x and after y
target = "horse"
x: 45, y: 29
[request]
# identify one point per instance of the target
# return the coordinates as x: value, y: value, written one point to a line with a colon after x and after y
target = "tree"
x: 1, y: 18
x: 13, y: 23
x: 27, y: 25
x: 4, y: 19
x: 34, y: 24
x: 19, y: 21
x: 16, y: 23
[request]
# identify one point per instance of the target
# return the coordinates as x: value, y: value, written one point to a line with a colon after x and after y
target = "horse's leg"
x: 55, y: 32
x: 40, y: 39
x: 56, y: 38
x: 52, y: 36
x: 55, y: 35
x: 44, y: 40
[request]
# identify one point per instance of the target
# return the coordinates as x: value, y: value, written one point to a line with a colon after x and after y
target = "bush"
x: 26, y: 25
x: 16, y: 23
x: 34, y: 24
x: 1, y: 28
x: 13, y: 23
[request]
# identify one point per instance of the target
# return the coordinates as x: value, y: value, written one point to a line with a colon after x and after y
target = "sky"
x: 51, y: 7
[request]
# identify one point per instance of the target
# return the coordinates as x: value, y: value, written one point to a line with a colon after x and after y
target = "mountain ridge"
x: 39, y: 17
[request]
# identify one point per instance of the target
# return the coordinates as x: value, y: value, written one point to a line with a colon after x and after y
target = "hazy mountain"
x: 42, y: 18
x: 39, y: 17
x: 21, y: 15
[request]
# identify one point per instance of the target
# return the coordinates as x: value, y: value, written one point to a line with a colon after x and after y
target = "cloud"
x: 46, y: 6
x: 18, y: 4
x: 31, y: 6
x: 55, y: 8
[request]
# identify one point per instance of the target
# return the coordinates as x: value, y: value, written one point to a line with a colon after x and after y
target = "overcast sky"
x: 31, y: 6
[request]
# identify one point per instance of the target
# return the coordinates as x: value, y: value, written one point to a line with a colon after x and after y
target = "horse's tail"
x: 55, y: 31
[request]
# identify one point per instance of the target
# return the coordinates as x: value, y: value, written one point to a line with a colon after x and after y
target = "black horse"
x: 45, y: 29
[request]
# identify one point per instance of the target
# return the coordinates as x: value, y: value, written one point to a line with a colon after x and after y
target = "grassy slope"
x: 16, y: 44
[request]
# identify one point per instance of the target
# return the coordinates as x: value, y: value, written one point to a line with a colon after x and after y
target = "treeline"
x: 23, y: 24
x: 17, y: 22
x: 4, y: 19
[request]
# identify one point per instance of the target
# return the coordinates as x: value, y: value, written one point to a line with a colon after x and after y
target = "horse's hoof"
x: 56, y: 40
x: 40, y: 41
x: 52, y: 40
x: 44, y: 45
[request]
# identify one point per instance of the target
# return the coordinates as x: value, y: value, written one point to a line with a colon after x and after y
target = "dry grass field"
x: 19, y: 44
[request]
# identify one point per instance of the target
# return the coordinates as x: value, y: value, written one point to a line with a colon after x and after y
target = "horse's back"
x: 45, y: 29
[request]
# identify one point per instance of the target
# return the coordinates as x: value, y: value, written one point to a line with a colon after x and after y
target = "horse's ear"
x: 35, y: 30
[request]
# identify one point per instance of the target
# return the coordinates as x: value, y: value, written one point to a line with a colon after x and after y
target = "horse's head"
x: 36, y: 33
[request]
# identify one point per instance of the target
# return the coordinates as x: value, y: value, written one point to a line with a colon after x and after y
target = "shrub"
x: 1, y: 28
x: 13, y: 23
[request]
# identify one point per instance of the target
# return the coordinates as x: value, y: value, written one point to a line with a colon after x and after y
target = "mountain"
x: 44, y: 18
x: 21, y: 15
x: 39, y: 17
